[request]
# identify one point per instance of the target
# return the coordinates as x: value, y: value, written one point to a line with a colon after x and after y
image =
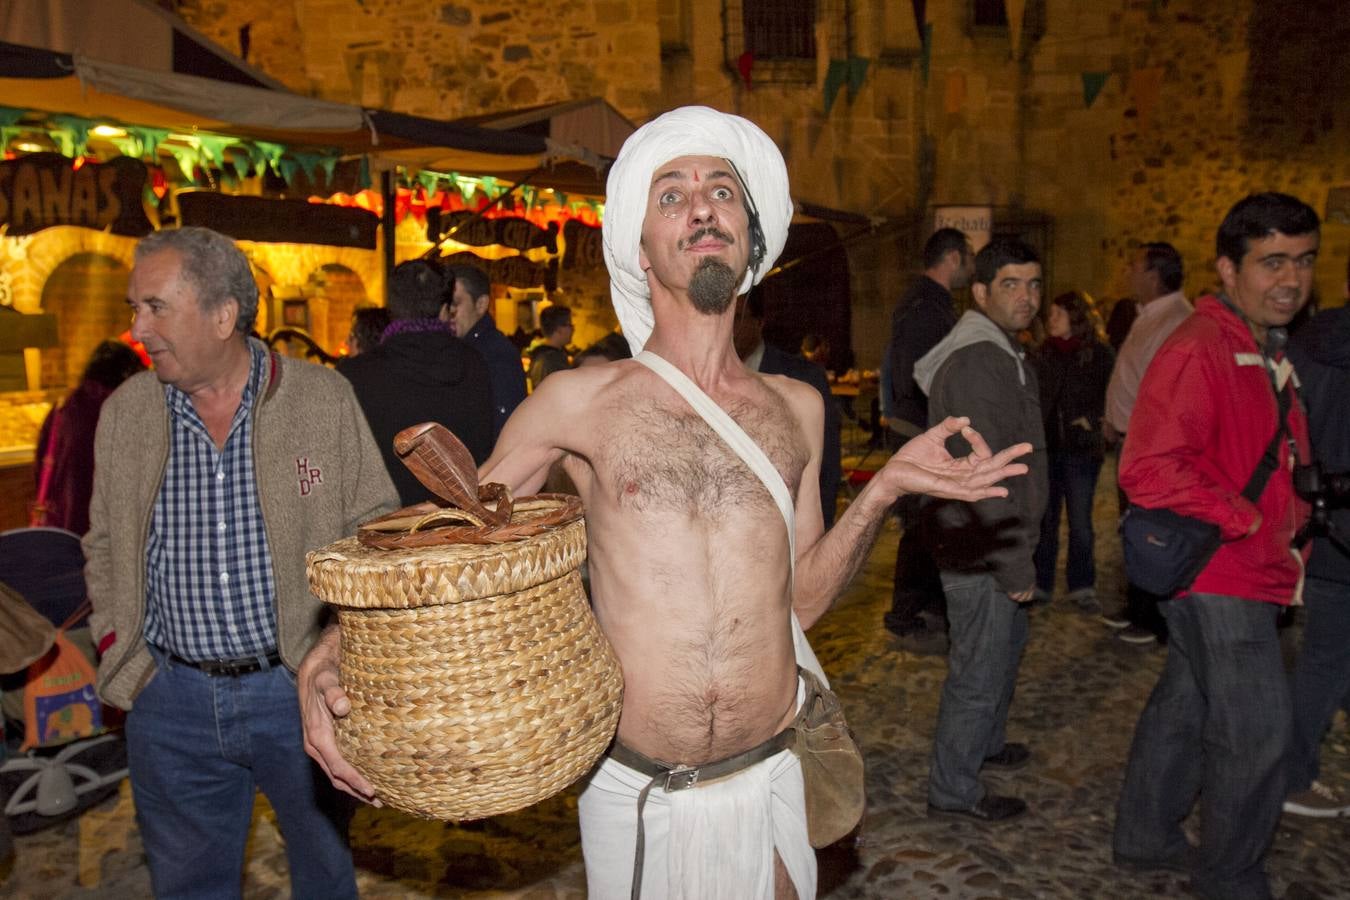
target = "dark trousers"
x: 918, y: 583
x: 1073, y: 482
x: 989, y: 632
x: 1216, y: 727
x: 1321, y: 676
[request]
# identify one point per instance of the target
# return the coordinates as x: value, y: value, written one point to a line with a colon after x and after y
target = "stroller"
x: 70, y: 760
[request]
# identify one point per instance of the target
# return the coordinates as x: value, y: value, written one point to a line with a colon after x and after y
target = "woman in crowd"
x: 1074, y: 366
x: 65, y: 451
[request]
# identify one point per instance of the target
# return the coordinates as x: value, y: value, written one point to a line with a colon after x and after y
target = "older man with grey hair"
x: 702, y: 564
x: 215, y: 473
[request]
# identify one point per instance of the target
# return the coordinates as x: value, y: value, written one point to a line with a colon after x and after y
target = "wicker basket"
x: 479, y: 680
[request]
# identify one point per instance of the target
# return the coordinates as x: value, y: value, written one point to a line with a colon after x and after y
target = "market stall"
x: 323, y: 198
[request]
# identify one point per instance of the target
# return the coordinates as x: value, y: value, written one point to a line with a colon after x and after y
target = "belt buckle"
x: 681, y: 779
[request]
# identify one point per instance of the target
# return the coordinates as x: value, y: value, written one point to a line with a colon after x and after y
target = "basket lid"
x: 348, y: 573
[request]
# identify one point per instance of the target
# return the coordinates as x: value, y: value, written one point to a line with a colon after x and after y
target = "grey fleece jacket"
x: 319, y: 475
x: 978, y: 371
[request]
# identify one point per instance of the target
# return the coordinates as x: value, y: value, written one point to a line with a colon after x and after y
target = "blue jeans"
x: 1321, y: 675
x: 1073, y: 482
x: 1216, y: 727
x: 988, y: 634
x: 198, y: 747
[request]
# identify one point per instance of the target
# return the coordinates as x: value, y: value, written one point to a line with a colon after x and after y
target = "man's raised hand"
x: 923, y: 465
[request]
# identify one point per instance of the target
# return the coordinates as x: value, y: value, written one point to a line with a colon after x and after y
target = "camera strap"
x: 1271, y: 458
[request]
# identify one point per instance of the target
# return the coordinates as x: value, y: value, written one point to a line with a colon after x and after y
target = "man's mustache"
x: 709, y: 231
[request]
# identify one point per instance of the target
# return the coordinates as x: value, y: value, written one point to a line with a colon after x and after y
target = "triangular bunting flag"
x: 857, y: 75
x: 834, y: 80
x: 1093, y: 82
x: 745, y: 65
x: 954, y: 96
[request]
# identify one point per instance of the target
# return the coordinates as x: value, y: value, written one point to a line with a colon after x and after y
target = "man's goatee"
x: 712, y: 287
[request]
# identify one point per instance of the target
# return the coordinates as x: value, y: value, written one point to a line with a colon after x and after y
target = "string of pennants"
x: 199, y: 155
x: 1142, y: 86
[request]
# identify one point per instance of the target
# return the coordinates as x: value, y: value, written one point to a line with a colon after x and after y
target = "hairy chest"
x: 664, y: 458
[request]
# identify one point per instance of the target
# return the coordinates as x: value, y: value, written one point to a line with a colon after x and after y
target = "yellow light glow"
x: 108, y: 131
x: 29, y: 147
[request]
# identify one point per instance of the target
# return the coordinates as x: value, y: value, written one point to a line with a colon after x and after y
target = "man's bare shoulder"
x: 589, y: 382
x: 803, y: 399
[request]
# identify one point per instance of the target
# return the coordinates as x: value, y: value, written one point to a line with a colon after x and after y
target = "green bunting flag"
x: 835, y: 77
x: 71, y: 133
x: 1093, y: 82
x: 268, y: 155
x: 857, y: 75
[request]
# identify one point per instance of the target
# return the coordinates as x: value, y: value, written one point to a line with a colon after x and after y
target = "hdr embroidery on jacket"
x: 308, y: 475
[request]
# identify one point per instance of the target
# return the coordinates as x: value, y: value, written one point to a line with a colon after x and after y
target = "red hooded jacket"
x: 1205, y: 414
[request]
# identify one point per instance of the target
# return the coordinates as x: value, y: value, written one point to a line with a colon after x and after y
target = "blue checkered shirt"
x: 209, y: 581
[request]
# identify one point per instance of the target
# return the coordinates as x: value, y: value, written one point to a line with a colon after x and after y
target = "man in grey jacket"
x: 214, y: 475
x: 984, y: 549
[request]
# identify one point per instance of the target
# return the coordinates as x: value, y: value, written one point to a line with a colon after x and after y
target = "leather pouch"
x: 832, y: 765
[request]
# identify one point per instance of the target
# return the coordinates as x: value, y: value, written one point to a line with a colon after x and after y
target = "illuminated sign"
x: 45, y: 189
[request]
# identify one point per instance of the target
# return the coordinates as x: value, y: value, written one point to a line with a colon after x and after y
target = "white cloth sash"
x: 759, y: 463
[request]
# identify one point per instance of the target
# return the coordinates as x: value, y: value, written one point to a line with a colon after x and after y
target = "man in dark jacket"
x: 984, y: 550
x: 765, y: 358
x: 420, y: 372
x: 469, y: 294
x: 923, y: 317
x: 1321, y: 355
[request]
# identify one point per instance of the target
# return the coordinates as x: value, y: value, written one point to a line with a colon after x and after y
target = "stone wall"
x: 447, y: 60
x: 1252, y: 99
x: 1200, y: 103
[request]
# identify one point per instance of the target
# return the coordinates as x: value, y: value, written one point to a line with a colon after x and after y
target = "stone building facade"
x: 1082, y: 126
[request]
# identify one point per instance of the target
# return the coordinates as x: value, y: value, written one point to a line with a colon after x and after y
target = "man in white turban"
x: 694, y: 578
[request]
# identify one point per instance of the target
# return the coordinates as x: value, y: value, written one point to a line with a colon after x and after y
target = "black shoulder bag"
x: 1165, y: 551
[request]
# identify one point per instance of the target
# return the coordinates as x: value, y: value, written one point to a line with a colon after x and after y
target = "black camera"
x: 1324, y: 491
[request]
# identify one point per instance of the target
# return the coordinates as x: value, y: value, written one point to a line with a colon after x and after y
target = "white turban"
x: 688, y: 131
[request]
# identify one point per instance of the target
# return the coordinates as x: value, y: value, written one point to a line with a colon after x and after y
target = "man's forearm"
x: 826, y: 568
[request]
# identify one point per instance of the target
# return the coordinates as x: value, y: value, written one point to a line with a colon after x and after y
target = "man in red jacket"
x: 1217, y: 724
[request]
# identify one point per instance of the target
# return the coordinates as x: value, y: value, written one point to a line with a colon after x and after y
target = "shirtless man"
x: 690, y: 567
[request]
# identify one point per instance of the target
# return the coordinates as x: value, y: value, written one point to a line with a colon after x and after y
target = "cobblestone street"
x: 1078, y: 697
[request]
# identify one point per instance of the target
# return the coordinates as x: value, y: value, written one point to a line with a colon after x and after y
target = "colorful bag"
x: 60, y: 704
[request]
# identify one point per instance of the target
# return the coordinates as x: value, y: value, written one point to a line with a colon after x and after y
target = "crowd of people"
x: 1195, y: 398
x: 708, y: 462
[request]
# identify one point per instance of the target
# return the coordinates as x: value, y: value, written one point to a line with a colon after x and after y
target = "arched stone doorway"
x: 87, y: 293
x: 334, y: 292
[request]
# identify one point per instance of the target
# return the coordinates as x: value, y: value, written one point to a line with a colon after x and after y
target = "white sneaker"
x: 1318, y: 802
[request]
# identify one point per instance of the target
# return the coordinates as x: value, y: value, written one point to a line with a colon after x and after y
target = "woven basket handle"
x: 442, y: 463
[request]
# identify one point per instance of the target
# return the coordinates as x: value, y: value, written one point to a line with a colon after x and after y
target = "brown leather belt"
x: 230, y: 668
x: 679, y: 778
